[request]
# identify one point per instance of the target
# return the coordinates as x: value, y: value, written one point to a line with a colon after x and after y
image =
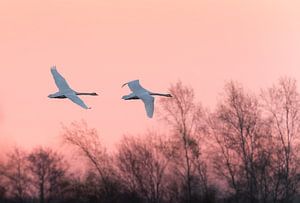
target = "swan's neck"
x: 160, y: 94
x: 87, y: 93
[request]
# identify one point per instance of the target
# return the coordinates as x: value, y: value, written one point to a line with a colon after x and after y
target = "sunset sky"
x: 100, y: 44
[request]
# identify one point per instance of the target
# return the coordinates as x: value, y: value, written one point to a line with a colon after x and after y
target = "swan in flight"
x: 64, y: 90
x: 138, y: 92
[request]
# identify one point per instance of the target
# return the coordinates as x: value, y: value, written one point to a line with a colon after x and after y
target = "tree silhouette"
x: 282, y: 106
x: 142, y: 165
x: 48, y: 170
x: 186, y: 119
x: 15, y: 172
x: 240, y: 137
x: 87, y: 142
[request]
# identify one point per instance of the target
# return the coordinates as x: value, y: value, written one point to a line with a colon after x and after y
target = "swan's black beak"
x: 124, y: 84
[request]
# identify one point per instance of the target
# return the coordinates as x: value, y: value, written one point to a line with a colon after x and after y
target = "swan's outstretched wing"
x: 143, y: 94
x: 135, y: 86
x: 149, y: 104
x: 60, y: 81
x: 74, y: 98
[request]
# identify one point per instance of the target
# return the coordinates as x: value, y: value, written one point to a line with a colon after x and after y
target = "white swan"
x: 138, y: 92
x: 64, y: 90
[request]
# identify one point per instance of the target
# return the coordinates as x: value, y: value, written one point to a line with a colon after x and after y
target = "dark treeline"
x: 245, y: 150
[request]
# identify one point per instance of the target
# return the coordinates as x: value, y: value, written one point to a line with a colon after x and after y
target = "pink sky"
x: 98, y: 45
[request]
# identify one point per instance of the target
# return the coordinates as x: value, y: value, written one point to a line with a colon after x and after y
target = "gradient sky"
x: 99, y: 44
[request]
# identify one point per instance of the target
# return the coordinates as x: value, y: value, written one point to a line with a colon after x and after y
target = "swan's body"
x: 64, y: 90
x: 138, y: 92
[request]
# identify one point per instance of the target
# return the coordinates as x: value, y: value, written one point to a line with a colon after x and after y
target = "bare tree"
x: 240, y: 135
x: 16, y: 175
x: 186, y: 119
x: 142, y: 163
x: 87, y: 142
x: 282, y: 105
x: 48, y: 170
